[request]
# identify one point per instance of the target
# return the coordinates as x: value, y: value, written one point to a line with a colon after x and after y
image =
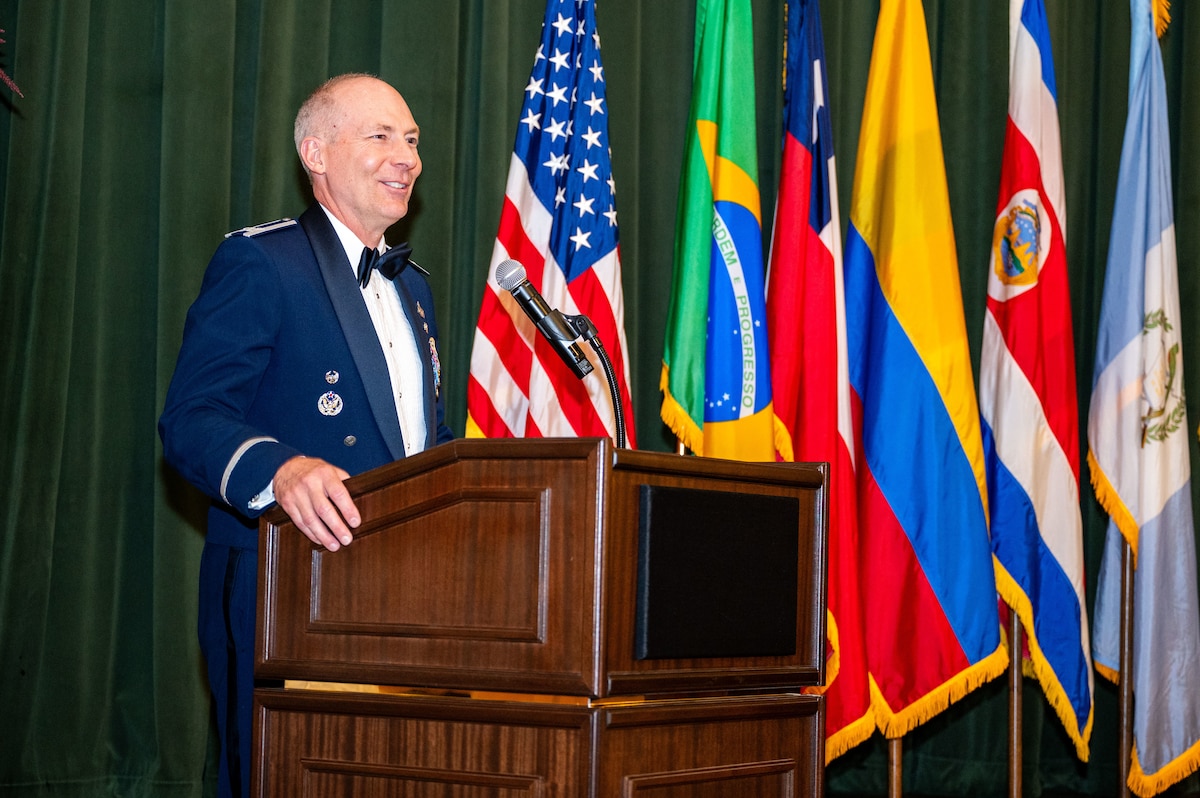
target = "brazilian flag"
x: 716, y: 378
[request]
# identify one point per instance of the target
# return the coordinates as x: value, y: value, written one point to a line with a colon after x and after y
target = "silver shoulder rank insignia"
x: 266, y: 227
x: 330, y: 404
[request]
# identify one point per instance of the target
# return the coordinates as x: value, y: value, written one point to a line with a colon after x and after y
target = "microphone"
x: 554, y: 327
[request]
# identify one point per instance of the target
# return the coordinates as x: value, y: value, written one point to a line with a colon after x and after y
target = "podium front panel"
x: 768, y: 746
x: 362, y: 746
x: 519, y: 566
x: 474, y: 568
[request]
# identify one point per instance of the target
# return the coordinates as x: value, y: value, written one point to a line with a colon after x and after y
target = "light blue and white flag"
x: 1138, y: 440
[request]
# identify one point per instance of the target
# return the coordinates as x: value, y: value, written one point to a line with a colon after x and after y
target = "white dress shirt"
x: 396, y: 337
x: 399, y: 350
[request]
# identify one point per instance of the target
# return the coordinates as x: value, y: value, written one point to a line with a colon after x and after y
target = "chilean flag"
x: 806, y: 321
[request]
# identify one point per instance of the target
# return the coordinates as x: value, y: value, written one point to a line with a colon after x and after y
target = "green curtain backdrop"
x: 149, y: 129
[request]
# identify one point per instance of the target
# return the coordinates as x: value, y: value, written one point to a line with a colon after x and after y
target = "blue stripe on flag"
x: 911, y: 422
x: 1033, y: 18
x: 1041, y: 577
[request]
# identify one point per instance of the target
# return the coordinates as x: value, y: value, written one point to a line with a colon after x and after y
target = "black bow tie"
x: 389, y: 263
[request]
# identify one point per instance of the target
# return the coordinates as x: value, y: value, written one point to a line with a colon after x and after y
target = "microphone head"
x: 510, y: 274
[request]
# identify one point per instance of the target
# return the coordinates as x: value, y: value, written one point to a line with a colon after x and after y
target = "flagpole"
x: 1125, y: 716
x: 895, y: 767
x: 1015, y: 710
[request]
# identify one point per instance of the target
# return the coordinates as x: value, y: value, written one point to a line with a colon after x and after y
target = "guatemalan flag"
x: 925, y: 564
x: 559, y: 221
x: 1138, y: 438
x: 806, y: 325
x: 716, y: 378
x: 1027, y: 392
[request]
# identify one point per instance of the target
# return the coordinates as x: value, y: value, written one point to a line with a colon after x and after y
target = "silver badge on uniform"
x: 332, y: 377
x: 330, y: 404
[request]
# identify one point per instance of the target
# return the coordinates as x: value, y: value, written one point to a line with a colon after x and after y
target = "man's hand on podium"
x: 312, y: 493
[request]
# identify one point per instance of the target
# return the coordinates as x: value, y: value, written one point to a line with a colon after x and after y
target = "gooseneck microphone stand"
x: 583, y: 325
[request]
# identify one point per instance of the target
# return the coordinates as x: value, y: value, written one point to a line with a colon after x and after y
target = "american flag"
x: 559, y: 220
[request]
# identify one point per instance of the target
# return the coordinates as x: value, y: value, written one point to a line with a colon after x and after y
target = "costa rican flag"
x: 559, y: 220
x: 1027, y: 394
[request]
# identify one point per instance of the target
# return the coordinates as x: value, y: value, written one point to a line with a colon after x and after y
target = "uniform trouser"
x: 228, y: 585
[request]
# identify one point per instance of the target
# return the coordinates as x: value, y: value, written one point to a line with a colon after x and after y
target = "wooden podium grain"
x: 478, y: 637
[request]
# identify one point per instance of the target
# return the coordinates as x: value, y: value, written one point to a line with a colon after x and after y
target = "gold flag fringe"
x: 897, y: 724
x: 1161, y: 9
x: 850, y: 735
x: 1038, y: 666
x: 855, y: 732
x: 1146, y: 785
x: 1111, y: 501
x: 833, y: 664
x: 1111, y: 674
x: 783, y: 439
x: 677, y: 419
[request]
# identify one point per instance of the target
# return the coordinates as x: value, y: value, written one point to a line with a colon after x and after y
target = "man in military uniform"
x: 309, y: 355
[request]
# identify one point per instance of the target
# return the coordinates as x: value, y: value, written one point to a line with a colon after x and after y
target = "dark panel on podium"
x: 717, y: 574
x: 793, y: 493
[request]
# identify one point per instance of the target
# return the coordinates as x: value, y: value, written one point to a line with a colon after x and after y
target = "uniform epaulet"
x: 418, y: 267
x: 258, y: 229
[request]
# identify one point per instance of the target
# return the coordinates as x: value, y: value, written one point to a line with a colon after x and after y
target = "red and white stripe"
x: 518, y: 385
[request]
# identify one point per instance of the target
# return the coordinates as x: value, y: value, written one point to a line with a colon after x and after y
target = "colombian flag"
x: 925, y: 566
x: 716, y: 379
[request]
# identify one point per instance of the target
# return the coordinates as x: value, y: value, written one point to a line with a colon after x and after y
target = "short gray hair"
x: 315, y: 114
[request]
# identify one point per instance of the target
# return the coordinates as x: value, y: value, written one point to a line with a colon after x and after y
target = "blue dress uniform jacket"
x: 279, y: 359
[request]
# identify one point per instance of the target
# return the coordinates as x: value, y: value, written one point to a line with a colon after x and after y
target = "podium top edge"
x: 607, y: 452
x: 606, y: 455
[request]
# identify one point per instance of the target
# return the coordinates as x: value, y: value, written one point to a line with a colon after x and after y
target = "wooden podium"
x: 549, y: 618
